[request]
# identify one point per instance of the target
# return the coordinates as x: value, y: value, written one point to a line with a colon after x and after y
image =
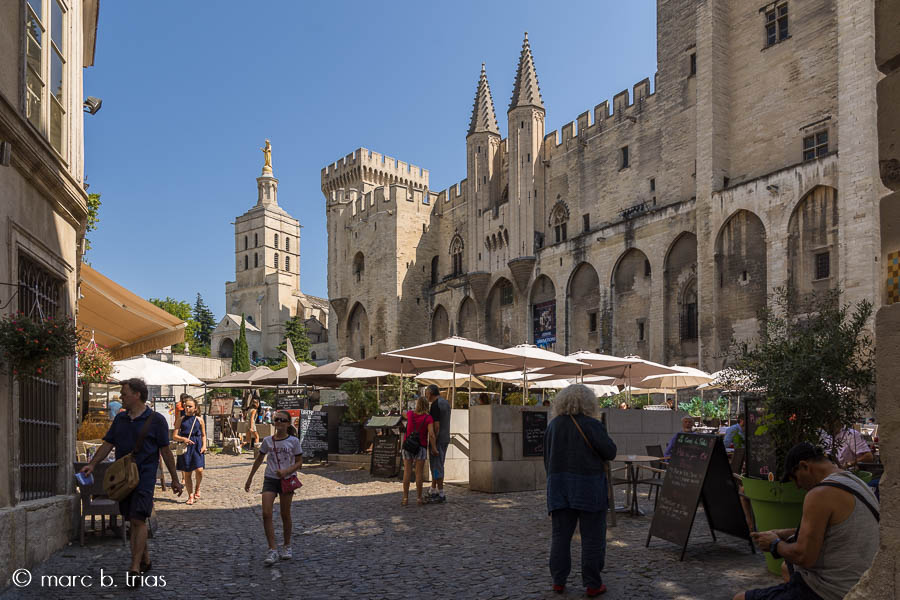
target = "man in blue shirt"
x: 687, y: 426
x: 731, y: 431
x: 123, y: 435
x: 114, y: 407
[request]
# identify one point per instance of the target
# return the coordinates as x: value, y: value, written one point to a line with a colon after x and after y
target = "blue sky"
x: 192, y: 89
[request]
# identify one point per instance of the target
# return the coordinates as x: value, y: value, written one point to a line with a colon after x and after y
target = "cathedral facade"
x: 657, y: 224
x: 266, y: 286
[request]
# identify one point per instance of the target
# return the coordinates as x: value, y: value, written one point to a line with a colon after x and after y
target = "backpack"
x: 122, y: 477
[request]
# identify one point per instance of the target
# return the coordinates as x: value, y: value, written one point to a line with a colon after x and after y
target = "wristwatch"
x: 773, y: 547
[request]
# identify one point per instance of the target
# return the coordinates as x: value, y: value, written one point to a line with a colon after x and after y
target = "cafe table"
x: 632, y: 464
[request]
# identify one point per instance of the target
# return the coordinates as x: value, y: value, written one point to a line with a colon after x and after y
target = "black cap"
x: 802, y: 451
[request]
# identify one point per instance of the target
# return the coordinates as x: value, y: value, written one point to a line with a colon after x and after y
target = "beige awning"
x: 121, y: 321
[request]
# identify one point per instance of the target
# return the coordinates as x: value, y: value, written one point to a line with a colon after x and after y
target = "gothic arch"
x: 500, y: 315
x: 740, y: 284
x: 812, y: 242
x: 359, y: 266
x: 542, y: 313
x: 440, y: 324
x: 584, y: 314
x: 456, y: 255
x: 630, y: 294
x: 467, y: 319
x: 681, y: 313
x: 357, y: 333
x: 226, y: 348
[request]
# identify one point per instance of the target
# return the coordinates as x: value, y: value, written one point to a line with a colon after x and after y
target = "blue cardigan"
x: 576, y: 477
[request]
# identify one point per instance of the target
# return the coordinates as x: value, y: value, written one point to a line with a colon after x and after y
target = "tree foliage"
x: 240, y: 359
x: 206, y: 323
x: 182, y: 310
x: 295, y: 330
x: 362, y: 403
x: 815, y: 361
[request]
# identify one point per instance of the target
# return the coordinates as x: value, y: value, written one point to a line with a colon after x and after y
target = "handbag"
x: 412, y: 443
x: 122, y: 477
x: 288, y: 484
x: 181, y: 447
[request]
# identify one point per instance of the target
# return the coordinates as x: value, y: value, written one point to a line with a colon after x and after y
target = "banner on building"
x: 544, y: 315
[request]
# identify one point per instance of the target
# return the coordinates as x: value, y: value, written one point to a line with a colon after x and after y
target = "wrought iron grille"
x: 40, y: 398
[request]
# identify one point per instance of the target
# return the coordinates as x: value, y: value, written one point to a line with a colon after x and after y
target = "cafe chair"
x: 94, y: 503
x: 613, y: 480
x: 657, y: 469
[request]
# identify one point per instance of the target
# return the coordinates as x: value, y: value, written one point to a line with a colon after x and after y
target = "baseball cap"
x: 802, y: 451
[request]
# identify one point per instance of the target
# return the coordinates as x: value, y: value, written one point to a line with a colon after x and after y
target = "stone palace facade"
x: 657, y: 224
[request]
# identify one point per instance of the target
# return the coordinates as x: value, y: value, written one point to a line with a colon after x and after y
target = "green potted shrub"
x: 362, y: 405
x: 814, y: 365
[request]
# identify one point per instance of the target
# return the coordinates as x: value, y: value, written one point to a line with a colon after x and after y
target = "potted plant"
x: 95, y: 364
x: 31, y: 347
x: 814, y: 365
x: 362, y: 404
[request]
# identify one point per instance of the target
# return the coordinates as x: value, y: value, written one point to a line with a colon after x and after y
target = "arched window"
x: 255, y: 356
x: 559, y: 218
x: 456, y: 255
x: 245, y: 242
x: 689, y: 319
x: 434, y: 270
x: 256, y: 240
x: 287, y: 263
x: 276, y: 260
x: 312, y: 355
x: 276, y: 240
x: 246, y: 262
x: 359, y: 266
x: 287, y: 243
x: 255, y: 259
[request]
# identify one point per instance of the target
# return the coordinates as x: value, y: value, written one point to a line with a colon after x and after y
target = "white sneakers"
x: 271, y: 558
x: 286, y: 553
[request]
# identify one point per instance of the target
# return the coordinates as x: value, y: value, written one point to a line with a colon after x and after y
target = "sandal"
x: 405, y: 501
x: 190, y: 499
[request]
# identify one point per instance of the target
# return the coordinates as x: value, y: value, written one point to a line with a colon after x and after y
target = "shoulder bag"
x: 412, y: 443
x: 181, y: 447
x: 288, y: 484
x: 122, y: 477
x: 581, y: 431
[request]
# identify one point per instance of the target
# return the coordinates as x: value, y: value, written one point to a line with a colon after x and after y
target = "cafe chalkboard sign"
x: 348, y: 438
x: 534, y: 427
x: 384, y: 456
x: 760, y: 449
x: 313, y: 434
x: 698, y: 472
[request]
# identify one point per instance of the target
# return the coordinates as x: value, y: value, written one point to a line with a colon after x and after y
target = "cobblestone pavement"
x: 353, y: 539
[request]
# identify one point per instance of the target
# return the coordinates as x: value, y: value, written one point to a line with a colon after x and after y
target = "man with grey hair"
x: 576, y: 448
x: 440, y: 412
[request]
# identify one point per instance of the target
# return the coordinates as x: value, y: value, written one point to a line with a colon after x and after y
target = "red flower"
x: 792, y: 418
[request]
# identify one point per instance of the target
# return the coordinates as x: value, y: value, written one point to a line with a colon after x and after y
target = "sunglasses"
x: 281, y: 420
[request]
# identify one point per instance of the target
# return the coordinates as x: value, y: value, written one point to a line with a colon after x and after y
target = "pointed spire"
x: 526, y: 91
x: 484, y: 118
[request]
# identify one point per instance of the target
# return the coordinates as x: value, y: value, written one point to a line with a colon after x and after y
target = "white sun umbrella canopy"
x: 445, y: 379
x: 532, y: 357
x: 685, y: 378
x: 153, y: 372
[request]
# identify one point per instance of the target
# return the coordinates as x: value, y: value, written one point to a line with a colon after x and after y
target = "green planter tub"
x: 778, y: 506
x: 775, y: 506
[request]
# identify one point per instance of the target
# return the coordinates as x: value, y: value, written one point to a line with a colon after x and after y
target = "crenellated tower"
x: 482, y: 168
x: 525, y: 135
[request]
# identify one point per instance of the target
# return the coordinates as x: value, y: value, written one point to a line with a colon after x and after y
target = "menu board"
x: 534, y: 427
x: 291, y: 398
x: 313, y: 434
x: 760, y: 449
x: 384, y: 456
x: 348, y: 438
x: 214, y: 425
x: 698, y: 471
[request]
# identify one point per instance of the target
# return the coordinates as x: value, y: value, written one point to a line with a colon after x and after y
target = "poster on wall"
x: 544, y: 315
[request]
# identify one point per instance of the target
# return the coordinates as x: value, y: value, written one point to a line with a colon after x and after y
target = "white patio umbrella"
x: 445, y: 379
x: 531, y: 357
x: 459, y: 351
x: 246, y: 379
x: 153, y: 372
x: 403, y: 366
x: 355, y: 372
x: 686, y: 378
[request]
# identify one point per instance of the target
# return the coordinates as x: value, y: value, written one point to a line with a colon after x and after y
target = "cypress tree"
x: 240, y: 360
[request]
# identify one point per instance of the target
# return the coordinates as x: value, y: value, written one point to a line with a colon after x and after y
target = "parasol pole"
x: 378, y: 391
x: 453, y: 393
x: 501, y: 391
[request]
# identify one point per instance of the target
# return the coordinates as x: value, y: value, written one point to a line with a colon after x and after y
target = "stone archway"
x: 542, y: 312
x: 500, y: 315
x: 226, y: 348
x: 630, y: 293
x: 440, y: 324
x: 740, y: 285
x: 357, y: 333
x: 467, y: 320
x: 681, y: 315
x: 584, y: 322
x: 813, y: 258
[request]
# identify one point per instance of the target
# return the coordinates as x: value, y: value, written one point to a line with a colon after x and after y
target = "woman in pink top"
x: 418, y: 421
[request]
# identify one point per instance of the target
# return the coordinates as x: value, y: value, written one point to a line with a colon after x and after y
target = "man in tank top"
x: 838, y: 534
